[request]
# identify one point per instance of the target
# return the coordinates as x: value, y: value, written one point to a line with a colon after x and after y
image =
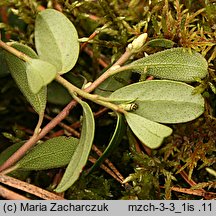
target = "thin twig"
x: 206, y: 195
x: 66, y: 127
x: 93, y: 160
x: 14, y: 51
x: 100, y: 60
x: 77, y: 124
x: 193, y: 183
x: 110, y: 164
x: 31, y: 142
x: 10, y: 195
x: 93, y: 35
x: 32, y: 189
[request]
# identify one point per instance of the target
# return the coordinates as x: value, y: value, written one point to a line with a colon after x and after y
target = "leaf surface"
x: 53, y: 153
x: 162, y: 101
x: 17, y: 68
x: 160, y: 42
x: 39, y: 74
x: 150, y: 133
x: 174, y: 64
x: 81, y: 154
x: 56, y: 40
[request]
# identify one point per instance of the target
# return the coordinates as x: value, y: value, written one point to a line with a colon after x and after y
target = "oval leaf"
x: 160, y: 42
x: 150, y: 133
x: 17, y: 68
x: 114, y: 142
x: 53, y: 153
x: 39, y: 74
x: 81, y: 154
x: 175, y: 64
x: 56, y: 40
x: 162, y: 101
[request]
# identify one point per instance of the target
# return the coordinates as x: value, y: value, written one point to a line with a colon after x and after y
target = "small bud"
x: 129, y: 106
x: 138, y: 43
x: 15, y: 11
x: 87, y: 85
x: 128, y: 179
x: 145, y: 54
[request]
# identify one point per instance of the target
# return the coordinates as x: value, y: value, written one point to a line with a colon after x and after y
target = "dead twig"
x: 10, y: 195
x: 29, y: 188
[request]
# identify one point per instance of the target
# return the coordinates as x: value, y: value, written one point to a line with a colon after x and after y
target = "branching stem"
x: 37, y: 136
x: 95, y: 98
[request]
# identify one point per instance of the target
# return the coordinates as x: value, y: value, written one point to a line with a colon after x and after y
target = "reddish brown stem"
x: 21, y: 151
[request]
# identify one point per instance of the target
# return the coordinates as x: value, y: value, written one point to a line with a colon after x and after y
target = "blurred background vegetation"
x: 171, y: 172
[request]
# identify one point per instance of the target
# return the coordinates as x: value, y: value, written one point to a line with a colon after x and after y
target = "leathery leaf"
x: 174, y: 64
x: 81, y: 154
x: 150, y: 133
x: 56, y: 40
x: 39, y: 74
x: 162, y: 101
x: 17, y: 68
x: 53, y: 153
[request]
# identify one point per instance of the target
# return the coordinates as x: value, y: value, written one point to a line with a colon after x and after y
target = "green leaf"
x: 113, y: 83
x: 9, y: 151
x: 81, y: 154
x: 4, y: 70
x: 53, y: 153
x: 39, y: 74
x: 17, y: 68
x: 175, y: 64
x: 150, y: 133
x: 162, y: 101
x: 57, y: 94
x: 114, y: 142
x: 160, y: 42
x: 56, y: 40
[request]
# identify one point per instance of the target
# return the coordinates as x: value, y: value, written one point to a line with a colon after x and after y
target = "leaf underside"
x: 18, y: 71
x: 39, y: 74
x: 150, y: 133
x: 174, y: 64
x: 81, y: 154
x: 114, y: 142
x: 56, y: 40
x: 162, y: 101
